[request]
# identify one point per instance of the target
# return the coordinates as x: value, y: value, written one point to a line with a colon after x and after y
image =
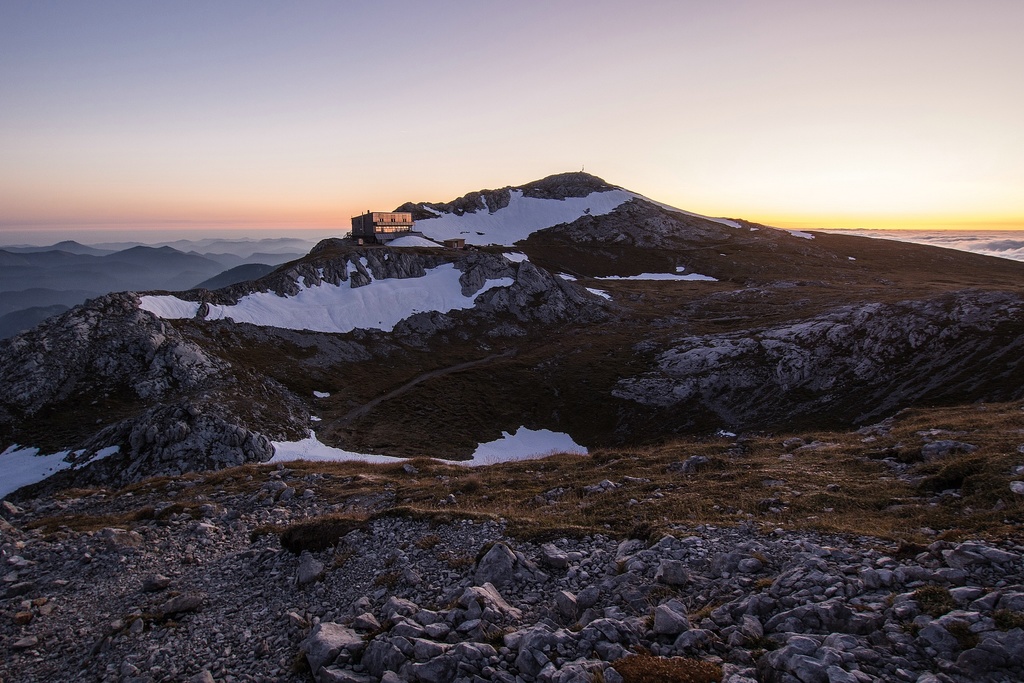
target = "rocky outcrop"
x: 207, y: 594
x: 644, y: 225
x: 534, y: 295
x: 133, y: 381
x: 107, y: 341
x: 862, y: 362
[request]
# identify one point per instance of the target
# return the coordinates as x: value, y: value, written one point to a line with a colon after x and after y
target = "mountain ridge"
x: 568, y: 349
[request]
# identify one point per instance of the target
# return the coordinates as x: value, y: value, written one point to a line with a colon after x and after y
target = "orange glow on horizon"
x: 798, y: 114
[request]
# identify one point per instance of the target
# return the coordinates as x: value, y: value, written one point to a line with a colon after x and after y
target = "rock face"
x: 104, y: 342
x: 135, y: 382
x: 211, y: 599
x: 861, y: 361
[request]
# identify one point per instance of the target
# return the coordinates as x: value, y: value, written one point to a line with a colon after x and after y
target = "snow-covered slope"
x: 413, y: 241
x: 380, y: 305
x: 522, y: 217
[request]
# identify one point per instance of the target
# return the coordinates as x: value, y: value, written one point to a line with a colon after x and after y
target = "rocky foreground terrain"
x: 258, y: 577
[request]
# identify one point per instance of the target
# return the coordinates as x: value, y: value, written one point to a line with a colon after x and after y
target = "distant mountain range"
x: 37, y: 282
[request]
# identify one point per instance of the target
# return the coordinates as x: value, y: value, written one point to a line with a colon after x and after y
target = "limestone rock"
x: 496, y: 566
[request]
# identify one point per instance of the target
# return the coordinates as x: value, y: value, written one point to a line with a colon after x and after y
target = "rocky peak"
x: 562, y: 185
x: 557, y: 186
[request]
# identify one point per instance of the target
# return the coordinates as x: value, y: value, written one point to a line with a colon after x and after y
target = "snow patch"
x: 22, y: 466
x: 524, y: 444
x: 312, y: 450
x: 690, y: 277
x: 516, y: 257
x: 380, y: 305
x: 413, y: 241
x: 168, y: 307
x: 98, y: 455
x: 522, y: 217
x: 801, y: 233
x: 322, y: 394
x: 566, y: 276
x: 600, y: 292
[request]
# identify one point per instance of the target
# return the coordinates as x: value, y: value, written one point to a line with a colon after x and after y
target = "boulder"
x: 670, y: 618
x: 939, y: 450
x: 154, y: 583
x: 381, y: 656
x: 672, y: 573
x: 181, y: 604
x: 326, y: 641
x: 310, y: 570
x: 487, y: 597
x: 496, y: 567
x: 553, y: 557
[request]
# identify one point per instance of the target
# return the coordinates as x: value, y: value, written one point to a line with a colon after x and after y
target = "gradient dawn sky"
x: 144, y: 115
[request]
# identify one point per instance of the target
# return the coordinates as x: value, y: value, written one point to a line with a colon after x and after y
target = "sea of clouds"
x: 1004, y: 243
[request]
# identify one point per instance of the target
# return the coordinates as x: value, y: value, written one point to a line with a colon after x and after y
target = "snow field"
x: 522, y: 217
x: 523, y: 444
x: 23, y: 466
x: 168, y: 307
x: 380, y: 305
x: 690, y: 277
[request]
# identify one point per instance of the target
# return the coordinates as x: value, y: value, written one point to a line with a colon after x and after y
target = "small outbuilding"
x: 455, y: 243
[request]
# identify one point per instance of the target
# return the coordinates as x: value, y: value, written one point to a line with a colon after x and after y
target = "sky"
x: 258, y: 117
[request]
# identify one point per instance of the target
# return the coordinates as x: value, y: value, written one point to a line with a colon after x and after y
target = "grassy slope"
x: 844, y: 484
x: 561, y: 378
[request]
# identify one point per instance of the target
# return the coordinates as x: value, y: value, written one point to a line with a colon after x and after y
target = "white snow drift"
x: 23, y: 466
x: 413, y: 241
x: 380, y: 305
x: 689, y: 277
x: 168, y: 307
x: 522, y: 217
x: 523, y: 444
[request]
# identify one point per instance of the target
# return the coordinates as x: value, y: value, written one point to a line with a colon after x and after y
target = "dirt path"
x: 362, y: 410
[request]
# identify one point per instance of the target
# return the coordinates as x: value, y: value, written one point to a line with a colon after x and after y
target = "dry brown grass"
x: 844, y: 487
x: 319, y: 533
x: 646, y: 668
x: 934, y: 600
x: 128, y: 519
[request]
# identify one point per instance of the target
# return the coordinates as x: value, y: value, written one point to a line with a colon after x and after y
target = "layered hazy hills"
x: 38, y: 282
x: 581, y: 308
